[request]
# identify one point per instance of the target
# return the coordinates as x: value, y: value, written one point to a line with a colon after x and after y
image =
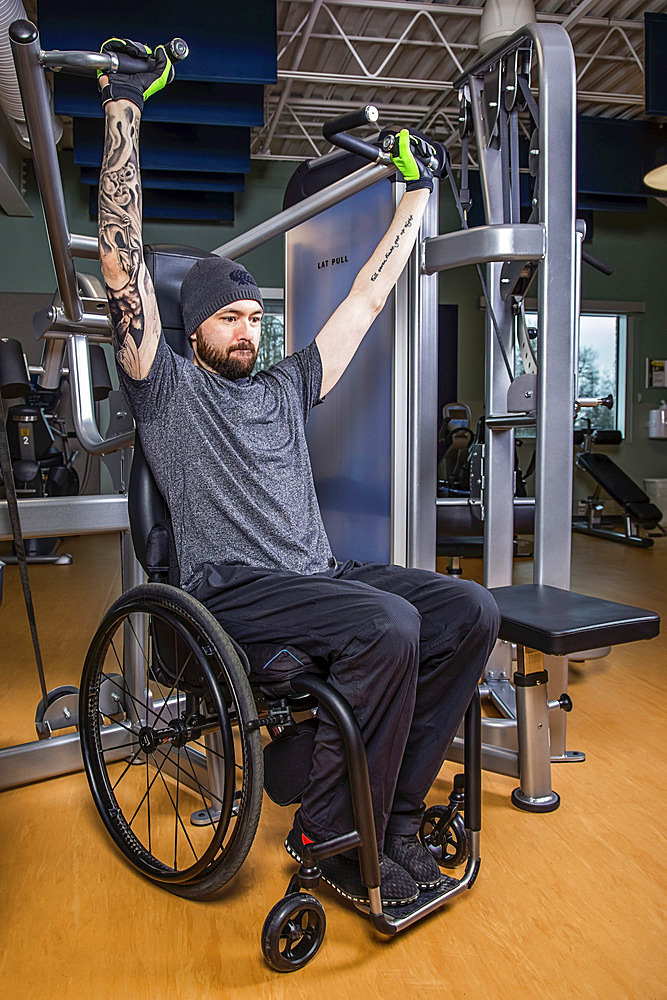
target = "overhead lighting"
x: 501, y: 18
x: 656, y: 175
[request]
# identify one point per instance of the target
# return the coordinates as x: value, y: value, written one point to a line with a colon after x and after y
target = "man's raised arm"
x: 132, y: 302
x: 342, y: 334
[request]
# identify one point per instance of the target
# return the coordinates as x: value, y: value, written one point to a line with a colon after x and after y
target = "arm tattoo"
x: 407, y: 225
x: 132, y: 305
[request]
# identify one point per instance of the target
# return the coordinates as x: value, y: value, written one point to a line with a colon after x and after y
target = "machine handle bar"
x: 335, y: 132
x: 595, y: 262
x: 87, y: 63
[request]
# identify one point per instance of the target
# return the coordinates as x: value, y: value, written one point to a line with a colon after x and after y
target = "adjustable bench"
x: 639, y: 511
x: 545, y: 620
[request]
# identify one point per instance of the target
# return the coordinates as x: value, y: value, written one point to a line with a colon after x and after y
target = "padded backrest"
x: 167, y: 266
x: 613, y: 480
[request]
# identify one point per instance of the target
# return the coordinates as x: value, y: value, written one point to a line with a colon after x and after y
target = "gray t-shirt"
x: 232, y: 463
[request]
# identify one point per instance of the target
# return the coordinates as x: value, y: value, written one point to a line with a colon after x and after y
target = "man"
x: 227, y: 449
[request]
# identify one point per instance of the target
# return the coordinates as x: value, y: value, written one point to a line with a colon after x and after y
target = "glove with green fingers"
x: 137, y: 87
x: 416, y: 159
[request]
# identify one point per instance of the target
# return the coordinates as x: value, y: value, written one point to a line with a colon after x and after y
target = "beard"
x: 229, y: 363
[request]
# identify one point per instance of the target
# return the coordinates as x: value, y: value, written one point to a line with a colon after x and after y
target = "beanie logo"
x: 241, y: 278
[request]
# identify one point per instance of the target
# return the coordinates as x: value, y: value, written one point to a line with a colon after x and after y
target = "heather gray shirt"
x: 231, y: 461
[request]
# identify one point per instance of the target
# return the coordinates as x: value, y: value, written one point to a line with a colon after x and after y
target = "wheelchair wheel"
x: 170, y: 741
x: 444, y: 836
x: 293, y: 932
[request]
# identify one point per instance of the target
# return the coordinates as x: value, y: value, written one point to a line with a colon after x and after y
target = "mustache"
x: 242, y: 345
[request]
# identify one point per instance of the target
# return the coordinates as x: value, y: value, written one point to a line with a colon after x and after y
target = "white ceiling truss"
x: 336, y: 56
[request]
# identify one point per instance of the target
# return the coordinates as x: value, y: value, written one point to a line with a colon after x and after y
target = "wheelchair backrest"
x: 167, y: 266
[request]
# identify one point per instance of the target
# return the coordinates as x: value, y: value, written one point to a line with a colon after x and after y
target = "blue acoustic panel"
x: 228, y: 41
x: 612, y: 155
x: 185, y: 206
x: 172, y: 146
x: 655, y: 26
x: 181, y: 101
x: 174, y: 180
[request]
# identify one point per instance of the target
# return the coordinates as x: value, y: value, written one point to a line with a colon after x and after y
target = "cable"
x: 464, y: 224
x: 13, y: 508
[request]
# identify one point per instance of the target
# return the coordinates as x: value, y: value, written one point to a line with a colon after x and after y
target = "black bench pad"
x: 558, y: 622
x: 621, y: 488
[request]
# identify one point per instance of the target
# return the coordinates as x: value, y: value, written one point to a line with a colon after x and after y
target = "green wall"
x: 26, y: 260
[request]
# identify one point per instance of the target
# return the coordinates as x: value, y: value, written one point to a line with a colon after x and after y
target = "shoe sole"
x: 346, y: 895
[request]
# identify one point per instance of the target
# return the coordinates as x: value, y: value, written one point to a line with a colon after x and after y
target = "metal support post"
x: 423, y: 401
x: 557, y: 306
x: 498, y: 492
x: 36, y: 103
x: 534, y: 793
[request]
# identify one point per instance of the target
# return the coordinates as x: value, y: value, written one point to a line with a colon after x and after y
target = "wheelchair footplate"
x: 393, y: 919
x: 294, y: 928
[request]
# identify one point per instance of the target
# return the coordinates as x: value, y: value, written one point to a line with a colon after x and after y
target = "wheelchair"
x: 171, y: 739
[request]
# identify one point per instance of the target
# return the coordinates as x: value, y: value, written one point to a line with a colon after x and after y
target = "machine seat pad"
x: 558, y: 622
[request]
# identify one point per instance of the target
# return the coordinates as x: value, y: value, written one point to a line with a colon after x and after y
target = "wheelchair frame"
x: 286, y: 943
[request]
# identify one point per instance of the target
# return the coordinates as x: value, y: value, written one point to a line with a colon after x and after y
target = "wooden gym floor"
x: 567, y: 905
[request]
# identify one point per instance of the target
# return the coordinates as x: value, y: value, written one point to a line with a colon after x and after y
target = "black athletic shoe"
x: 409, y: 852
x: 343, y: 875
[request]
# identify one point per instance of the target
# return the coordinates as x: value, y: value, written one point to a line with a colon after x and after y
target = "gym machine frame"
x: 80, y: 318
x: 533, y: 732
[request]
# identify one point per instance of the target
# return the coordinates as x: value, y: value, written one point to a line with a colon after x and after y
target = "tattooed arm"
x: 340, y: 337
x: 132, y: 302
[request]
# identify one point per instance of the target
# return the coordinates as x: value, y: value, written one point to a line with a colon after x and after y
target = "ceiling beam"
x: 436, y: 9
x: 577, y: 13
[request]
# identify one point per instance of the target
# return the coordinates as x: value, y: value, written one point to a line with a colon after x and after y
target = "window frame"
x: 627, y: 312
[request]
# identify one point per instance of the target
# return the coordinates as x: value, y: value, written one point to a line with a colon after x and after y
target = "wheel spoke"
x: 147, y: 792
x: 166, y: 786
x: 129, y: 765
x: 128, y: 729
x: 173, y: 686
x: 148, y: 808
x: 124, y: 688
x: 202, y: 788
x: 120, y: 746
x: 178, y: 782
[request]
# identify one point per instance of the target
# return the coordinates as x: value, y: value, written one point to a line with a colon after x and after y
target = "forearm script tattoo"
x: 131, y: 298
x: 394, y: 245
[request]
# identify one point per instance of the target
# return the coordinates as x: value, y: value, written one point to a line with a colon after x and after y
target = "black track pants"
x: 406, y: 647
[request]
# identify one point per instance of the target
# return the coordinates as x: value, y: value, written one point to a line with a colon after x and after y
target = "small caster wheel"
x: 445, y: 838
x: 293, y: 932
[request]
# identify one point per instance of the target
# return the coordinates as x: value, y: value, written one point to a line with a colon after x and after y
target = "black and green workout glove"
x: 417, y: 159
x: 137, y: 87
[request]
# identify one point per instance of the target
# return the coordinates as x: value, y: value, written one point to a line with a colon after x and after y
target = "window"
x: 602, y: 366
x: 272, y: 341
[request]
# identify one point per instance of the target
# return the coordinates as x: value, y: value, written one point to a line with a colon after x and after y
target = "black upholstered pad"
x: 621, y: 488
x: 167, y: 266
x: 558, y: 622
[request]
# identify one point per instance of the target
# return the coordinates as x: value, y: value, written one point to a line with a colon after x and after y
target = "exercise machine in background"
x: 640, y: 516
x: 39, y: 438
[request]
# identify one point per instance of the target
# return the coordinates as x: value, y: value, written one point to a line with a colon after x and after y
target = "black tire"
x: 192, y: 732
x: 293, y: 932
x: 444, y: 836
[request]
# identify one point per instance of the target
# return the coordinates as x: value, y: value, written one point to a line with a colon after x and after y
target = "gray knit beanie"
x: 210, y: 284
